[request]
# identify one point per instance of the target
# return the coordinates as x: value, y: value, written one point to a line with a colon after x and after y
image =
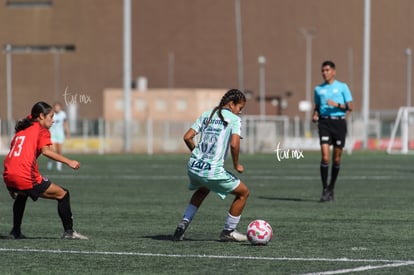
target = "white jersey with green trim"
x: 58, y: 129
x: 207, y: 158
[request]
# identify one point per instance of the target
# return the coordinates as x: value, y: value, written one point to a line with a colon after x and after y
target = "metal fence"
x: 259, y: 135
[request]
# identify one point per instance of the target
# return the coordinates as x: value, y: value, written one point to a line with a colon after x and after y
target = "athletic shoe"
x: 73, y: 235
x: 325, y: 195
x: 181, y: 228
x: 232, y: 236
x: 331, y: 196
x: 16, y: 235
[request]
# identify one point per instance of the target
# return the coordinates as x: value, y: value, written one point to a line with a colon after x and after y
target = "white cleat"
x: 73, y: 236
x: 232, y: 236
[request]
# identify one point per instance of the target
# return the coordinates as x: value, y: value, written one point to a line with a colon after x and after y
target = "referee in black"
x: 332, y: 102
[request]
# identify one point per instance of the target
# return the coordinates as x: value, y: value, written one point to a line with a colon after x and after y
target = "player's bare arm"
x: 66, y: 128
x: 189, y: 139
x: 235, y: 149
x: 48, y: 152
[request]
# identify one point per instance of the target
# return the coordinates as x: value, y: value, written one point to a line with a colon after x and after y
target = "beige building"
x: 160, y: 118
x: 162, y: 104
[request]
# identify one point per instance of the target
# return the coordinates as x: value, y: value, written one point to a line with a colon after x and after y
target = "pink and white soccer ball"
x: 259, y: 232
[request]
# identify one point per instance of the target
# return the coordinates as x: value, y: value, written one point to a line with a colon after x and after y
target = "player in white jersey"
x: 218, y: 129
x: 58, y: 132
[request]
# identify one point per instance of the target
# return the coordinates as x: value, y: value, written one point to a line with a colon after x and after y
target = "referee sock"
x: 231, y: 222
x: 334, y: 175
x: 324, y: 174
x: 65, y: 212
x: 190, y: 212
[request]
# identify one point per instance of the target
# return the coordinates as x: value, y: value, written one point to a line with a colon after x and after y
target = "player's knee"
x: 203, y: 191
x: 325, y: 160
x: 62, y: 194
x: 245, y: 192
x: 337, y: 159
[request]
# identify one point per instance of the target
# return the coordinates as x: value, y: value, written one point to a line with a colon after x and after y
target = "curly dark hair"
x: 234, y: 95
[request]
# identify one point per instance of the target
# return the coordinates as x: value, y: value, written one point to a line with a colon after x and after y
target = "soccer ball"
x: 259, y: 232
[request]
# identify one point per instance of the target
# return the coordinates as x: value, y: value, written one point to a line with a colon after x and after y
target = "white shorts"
x: 57, y: 138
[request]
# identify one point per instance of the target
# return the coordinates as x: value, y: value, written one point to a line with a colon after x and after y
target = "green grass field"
x: 129, y: 206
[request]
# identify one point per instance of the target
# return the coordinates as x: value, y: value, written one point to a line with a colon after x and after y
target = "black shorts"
x: 36, y: 191
x: 332, y: 132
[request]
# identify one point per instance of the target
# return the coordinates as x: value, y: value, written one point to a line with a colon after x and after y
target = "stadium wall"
x: 193, y: 44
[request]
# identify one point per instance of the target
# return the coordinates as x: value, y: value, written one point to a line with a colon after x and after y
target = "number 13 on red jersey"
x: 17, y: 146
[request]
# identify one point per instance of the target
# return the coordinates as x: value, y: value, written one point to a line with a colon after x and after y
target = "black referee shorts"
x: 332, y: 131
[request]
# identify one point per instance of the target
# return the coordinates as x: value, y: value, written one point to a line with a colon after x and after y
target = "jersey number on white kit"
x: 208, y: 145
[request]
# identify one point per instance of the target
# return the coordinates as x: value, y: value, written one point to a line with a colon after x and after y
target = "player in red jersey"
x: 21, y: 174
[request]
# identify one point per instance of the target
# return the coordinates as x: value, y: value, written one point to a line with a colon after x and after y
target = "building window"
x: 140, y: 105
x: 161, y: 105
x: 18, y: 4
x: 181, y: 105
x: 119, y: 104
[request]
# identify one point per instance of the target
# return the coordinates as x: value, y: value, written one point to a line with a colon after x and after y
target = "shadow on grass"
x: 160, y: 237
x: 212, y: 240
x: 7, y: 237
x: 186, y: 239
x: 287, y: 199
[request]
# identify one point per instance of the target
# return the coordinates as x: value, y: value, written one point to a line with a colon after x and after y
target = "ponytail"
x: 23, y: 123
x: 233, y: 95
x: 37, y: 109
x: 217, y: 108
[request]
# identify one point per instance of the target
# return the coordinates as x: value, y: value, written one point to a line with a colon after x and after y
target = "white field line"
x: 124, y: 253
x: 388, y: 263
x: 361, y: 268
x: 185, y: 177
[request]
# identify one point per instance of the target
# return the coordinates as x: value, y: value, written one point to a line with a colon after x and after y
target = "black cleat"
x: 331, y: 196
x: 325, y: 195
x: 16, y: 235
x: 179, y: 232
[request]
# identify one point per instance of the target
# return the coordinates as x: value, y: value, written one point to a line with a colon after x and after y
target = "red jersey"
x: 21, y: 170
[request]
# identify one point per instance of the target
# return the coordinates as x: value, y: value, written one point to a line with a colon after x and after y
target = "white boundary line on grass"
x: 185, y: 177
x: 361, y: 268
x: 147, y: 254
x: 388, y: 263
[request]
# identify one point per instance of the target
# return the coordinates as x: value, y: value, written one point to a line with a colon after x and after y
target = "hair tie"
x: 30, y: 117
